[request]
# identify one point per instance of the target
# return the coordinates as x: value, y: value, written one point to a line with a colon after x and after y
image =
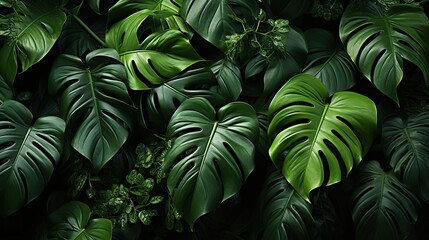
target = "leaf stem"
x: 84, y: 26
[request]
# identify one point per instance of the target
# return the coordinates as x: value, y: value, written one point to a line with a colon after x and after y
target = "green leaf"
x: 94, y: 5
x: 212, y: 155
x: 6, y: 92
x: 170, y: 8
x: 285, y: 214
x: 28, y: 154
x: 163, y: 101
x: 229, y: 77
x: 72, y: 221
x: 379, y: 41
x: 76, y: 40
x: 94, y: 101
x: 319, y: 135
x: 214, y: 19
x: 405, y: 143
x: 283, y: 67
x: 383, y: 207
x: 287, y: 9
x: 32, y: 33
x: 328, y: 61
x: 160, y: 56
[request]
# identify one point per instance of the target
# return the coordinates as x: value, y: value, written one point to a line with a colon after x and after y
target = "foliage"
x: 214, y: 119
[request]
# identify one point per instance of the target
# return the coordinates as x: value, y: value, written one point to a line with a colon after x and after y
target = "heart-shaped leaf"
x: 320, y: 136
x: 379, y: 40
x: 212, y: 154
x: 32, y: 31
x: 163, y: 101
x: 72, y: 221
x: 285, y: 214
x: 328, y: 61
x: 28, y: 154
x: 160, y: 56
x: 213, y: 19
x: 94, y: 101
x: 383, y: 207
x: 405, y: 142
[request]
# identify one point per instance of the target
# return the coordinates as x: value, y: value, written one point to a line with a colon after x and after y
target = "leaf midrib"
x: 204, y: 157
x: 94, y: 99
x: 36, y: 21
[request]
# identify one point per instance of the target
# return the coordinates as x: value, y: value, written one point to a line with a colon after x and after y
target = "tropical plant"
x: 214, y: 119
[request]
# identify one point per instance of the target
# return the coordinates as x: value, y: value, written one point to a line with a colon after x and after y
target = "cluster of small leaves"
x: 139, y: 198
x: 327, y: 9
x: 266, y: 38
x: 389, y: 3
x: 7, y: 21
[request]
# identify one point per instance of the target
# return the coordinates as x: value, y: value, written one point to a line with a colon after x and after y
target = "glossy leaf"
x: 32, y: 32
x: 229, y: 77
x: 322, y: 138
x: 94, y: 5
x: 212, y: 154
x: 379, y: 41
x: 405, y: 142
x: 94, y: 101
x: 285, y: 214
x: 72, y: 221
x: 283, y: 67
x: 383, y: 207
x: 213, y: 19
x: 163, y: 101
x: 328, y: 61
x: 160, y: 56
x: 28, y: 154
x: 287, y: 9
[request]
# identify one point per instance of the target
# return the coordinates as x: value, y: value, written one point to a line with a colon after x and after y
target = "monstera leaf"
x: 163, y: 101
x: 94, y: 101
x: 320, y: 136
x: 28, y: 154
x: 168, y: 8
x: 328, y: 61
x: 72, y: 221
x: 213, y: 19
x: 383, y: 207
x: 32, y: 31
x: 285, y: 214
x: 406, y: 143
x: 76, y: 40
x: 160, y: 56
x: 287, y: 9
x: 379, y: 41
x: 212, y: 154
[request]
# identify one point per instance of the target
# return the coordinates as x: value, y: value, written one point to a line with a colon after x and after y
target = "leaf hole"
x: 6, y: 145
x: 338, y: 156
x: 156, y: 70
x: 45, y: 152
x: 325, y: 167
x: 140, y: 76
x: 236, y: 159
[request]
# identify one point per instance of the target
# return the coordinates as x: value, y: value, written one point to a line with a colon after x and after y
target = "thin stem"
x: 84, y: 26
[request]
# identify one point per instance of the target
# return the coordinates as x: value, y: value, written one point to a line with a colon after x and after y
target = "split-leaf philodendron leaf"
x: 94, y: 101
x: 322, y: 138
x: 379, y: 41
x: 211, y: 156
x: 28, y: 154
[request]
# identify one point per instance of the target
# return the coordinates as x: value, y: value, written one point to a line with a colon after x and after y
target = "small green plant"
x: 142, y: 195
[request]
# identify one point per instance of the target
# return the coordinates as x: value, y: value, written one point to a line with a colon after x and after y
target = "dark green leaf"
x: 229, y: 78
x: 383, y: 207
x: 287, y: 9
x: 32, y: 32
x: 94, y: 98
x: 76, y: 41
x: 94, y: 5
x: 311, y: 129
x: 212, y: 155
x: 72, y: 221
x: 379, y: 41
x: 213, y: 19
x: 405, y: 142
x: 328, y: 61
x: 28, y: 154
x: 6, y: 92
x: 285, y: 214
